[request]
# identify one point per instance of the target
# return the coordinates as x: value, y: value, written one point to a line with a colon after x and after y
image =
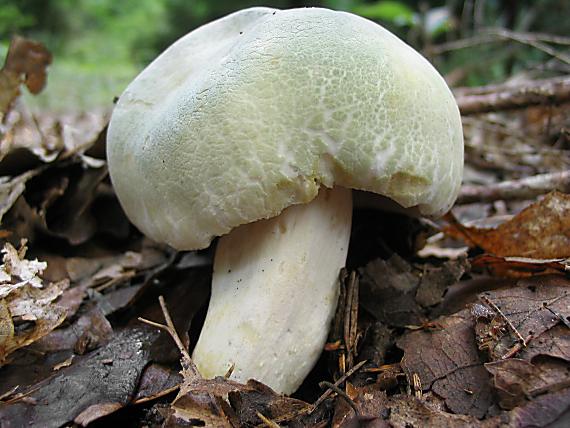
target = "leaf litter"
x: 403, y: 351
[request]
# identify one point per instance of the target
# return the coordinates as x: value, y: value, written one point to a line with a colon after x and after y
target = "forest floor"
x: 460, y: 322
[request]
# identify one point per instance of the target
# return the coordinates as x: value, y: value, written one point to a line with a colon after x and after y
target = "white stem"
x: 274, y: 293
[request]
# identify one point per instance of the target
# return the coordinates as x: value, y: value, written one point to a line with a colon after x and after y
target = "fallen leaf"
x: 448, y: 363
x: 16, y: 272
x: 198, y: 410
x: 94, y: 385
x: 96, y: 411
x: 256, y: 398
x: 547, y: 410
x: 554, y: 342
x: 156, y: 381
x: 517, y: 380
x: 27, y: 311
x: 435, y: 280
x: 29, y: 59
x: 26, y: 62
x: 518, y: 267
x: 11, y: 189
x: 388, y: 289
x: 400, y: 294
x: 528, y: 307
x: 541, y: 231
x: 377, y: 409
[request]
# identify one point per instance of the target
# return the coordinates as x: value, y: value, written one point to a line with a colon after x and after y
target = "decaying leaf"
x: 93, y: 386
x: 410, y: 290
x: 377, y: 409
x: 157, y: 381
x: 526, y: 311
x: 25, y: 63
x: 24, y: 299
x: 518, y: 267
x: 448, y: 363
x: 11, y: 189
x: 517, y: 380
x: 16, y: 272
x: 541, y: 231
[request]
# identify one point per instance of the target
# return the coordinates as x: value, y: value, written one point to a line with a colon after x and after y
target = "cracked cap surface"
x: 252, y: 113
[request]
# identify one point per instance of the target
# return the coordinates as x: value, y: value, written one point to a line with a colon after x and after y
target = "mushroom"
x: 254, y: 128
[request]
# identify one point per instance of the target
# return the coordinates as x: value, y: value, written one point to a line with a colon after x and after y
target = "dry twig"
x: 339, y: 382
x: 341, y: 393
x: 523, y: 189
x: 539, y: 92
x: 188, y: 366
x: 268, y: 422
x: 351, y: 321
x: 504, y: 317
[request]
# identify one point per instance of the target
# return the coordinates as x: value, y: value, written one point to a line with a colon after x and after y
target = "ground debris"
x: 528, y: 309
x: 519, y: 266
x: 412, y: 290
x: 26, y: 63
x: 27, y: 308
x: 538, y: 232
x: 93, y: 386
x: 517, y: 380
x: 448, y: 363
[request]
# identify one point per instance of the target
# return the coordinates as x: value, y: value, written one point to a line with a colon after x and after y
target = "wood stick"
x: 523, y: 189
x: 539, y: 92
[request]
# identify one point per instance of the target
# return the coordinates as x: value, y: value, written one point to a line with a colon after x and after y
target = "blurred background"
x: 100, y: 45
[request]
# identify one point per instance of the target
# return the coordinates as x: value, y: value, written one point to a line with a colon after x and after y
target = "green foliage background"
x: 100, y: 45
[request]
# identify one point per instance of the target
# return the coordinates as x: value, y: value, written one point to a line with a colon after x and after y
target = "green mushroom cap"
x: 252, y: 113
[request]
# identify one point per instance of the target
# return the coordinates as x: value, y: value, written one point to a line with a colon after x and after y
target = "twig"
x: 516, y: 348
x: 538, y: 92
x: 351, y: 319
x: 530, y: 40
x: 523, y: 189
x: 187, y: 363
x: 343, y: 378
x: 267, y: 421
x: 417, y: 385
x: 504, y: 317
x: 461, y: 44
x: 341, y: 393
x: 493, y: 35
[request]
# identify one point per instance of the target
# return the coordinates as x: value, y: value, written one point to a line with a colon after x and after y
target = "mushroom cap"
x: 252, y: 113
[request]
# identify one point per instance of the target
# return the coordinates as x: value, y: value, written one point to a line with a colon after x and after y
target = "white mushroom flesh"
x: 259, y: 111
x: 274, y: 293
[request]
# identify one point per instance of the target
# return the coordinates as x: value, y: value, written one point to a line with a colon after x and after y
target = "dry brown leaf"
x: 400, y: 294
x: 23, y: 298
x: 518, y: 267
x: 198, y: 410
x: 529, y: 308
x: 11, y: 189
x: 156, y: 381
x: 93, y: 386
x: 517, y: 381
x: 25, y: 63
x: 377, y: 409
x: 448, y: 363
x: 16, y: 272
x: 541, y: 231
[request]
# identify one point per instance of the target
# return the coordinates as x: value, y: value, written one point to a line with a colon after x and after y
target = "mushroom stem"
x: 274, y: 293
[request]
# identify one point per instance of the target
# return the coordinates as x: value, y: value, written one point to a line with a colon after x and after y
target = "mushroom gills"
x: 274, y: 293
